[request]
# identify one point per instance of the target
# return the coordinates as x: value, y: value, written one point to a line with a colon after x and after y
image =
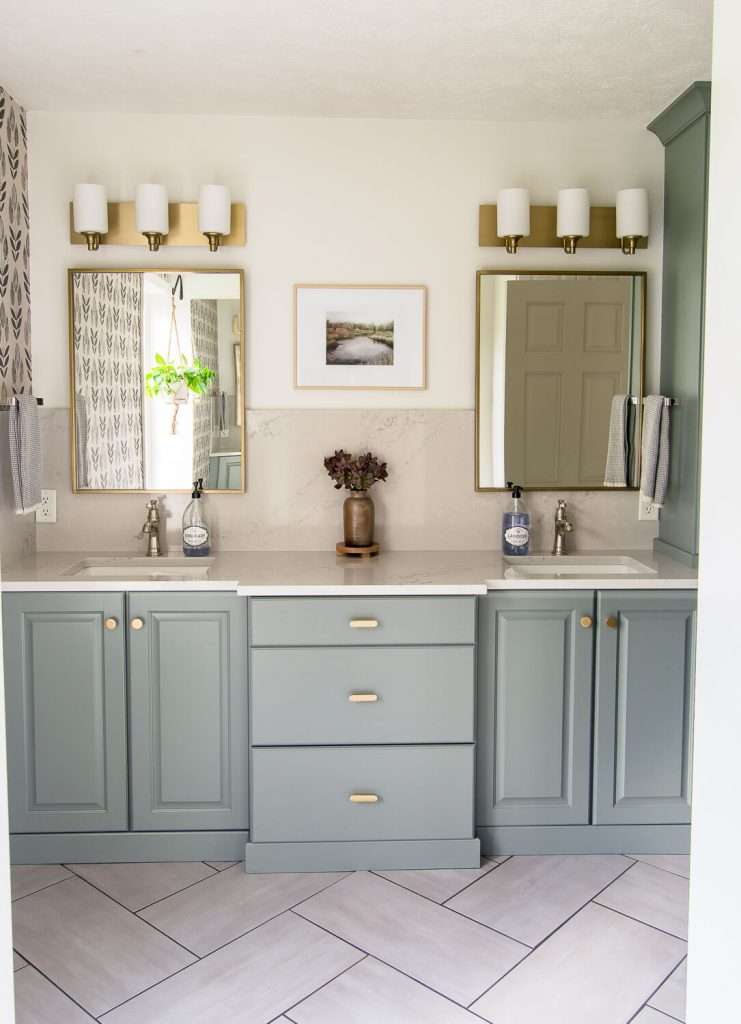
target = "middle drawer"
x: 329, y: 695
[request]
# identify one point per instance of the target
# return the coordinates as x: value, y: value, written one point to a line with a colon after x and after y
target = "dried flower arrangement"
x: 355, y: 472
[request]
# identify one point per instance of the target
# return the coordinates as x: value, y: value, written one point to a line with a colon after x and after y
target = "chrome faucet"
x: 151, y: 529
x: 562, y: 527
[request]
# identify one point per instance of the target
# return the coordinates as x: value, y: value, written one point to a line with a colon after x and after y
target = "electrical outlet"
x: 647, y: 511
x: 47, y: 513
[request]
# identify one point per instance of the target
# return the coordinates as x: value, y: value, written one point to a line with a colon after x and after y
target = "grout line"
x: 386, y: 963
x: 639, y: 921
x: 491, y: 866
x: 663, y: 981
x: 494, y: 866
x: 647, y: 1006
x: 557, y: 929
x: 147, y: 989
x: 141, y: 920
x: 43, y: 888
x: 303, y: 999
x: 658, y: 867
x: 59, y: 988
x: 177, y: 892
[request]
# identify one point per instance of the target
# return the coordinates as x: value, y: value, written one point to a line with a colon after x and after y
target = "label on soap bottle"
x: 517, y: 536
x: 195, y: 536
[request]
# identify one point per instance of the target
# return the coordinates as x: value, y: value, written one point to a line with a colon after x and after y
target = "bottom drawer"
x: 304, y: 794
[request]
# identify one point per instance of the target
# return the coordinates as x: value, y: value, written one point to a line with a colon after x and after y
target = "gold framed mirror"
x: 559, y: 372
x: 157, y: 382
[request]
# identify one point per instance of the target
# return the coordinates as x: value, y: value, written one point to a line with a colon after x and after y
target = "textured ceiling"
x: 489, y: 59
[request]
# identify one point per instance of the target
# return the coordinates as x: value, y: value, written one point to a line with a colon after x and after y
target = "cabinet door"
x: 644, y: 697
x: 65, y: 694
x: 534, y: 701
x: 188, y: 714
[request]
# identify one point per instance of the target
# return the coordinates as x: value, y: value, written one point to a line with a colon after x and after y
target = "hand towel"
x: 616, y: 468
x: 25, y: 453
x: 655, y: 450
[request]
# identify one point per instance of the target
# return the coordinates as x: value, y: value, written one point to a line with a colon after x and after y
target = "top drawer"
x: 355, y: 621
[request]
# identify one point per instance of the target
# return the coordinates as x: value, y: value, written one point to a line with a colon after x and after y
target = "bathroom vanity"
x: 412, y: 712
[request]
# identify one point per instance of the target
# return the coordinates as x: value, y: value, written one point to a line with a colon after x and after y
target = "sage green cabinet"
x: 644, y: 704
x: 188, y: 711
x: 534, y: 708
x: 65, y: 708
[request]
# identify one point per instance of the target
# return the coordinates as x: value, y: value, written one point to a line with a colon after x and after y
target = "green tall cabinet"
x: 684, y: 130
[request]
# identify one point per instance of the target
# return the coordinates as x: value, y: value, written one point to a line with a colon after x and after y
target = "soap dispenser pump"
x: 196, y: 538
x: 516, y: 525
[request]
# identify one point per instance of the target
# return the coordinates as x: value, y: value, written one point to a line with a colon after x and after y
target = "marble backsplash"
x: 428, y: 502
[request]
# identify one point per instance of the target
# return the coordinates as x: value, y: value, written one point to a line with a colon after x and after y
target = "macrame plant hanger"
x: 173, y: 333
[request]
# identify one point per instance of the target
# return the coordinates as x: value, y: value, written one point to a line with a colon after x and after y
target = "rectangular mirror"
x: 157, y: 379
x: 553, y: 350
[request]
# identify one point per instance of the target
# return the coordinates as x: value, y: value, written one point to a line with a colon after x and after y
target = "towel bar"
x: 667, y: 401
x: 4, y: 406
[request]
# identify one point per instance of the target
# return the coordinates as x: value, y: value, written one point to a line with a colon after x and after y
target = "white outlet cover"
x: 647, y: 511
x: 47, y: 513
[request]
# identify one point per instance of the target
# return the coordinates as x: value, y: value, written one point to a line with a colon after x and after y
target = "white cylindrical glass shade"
x: 152, y: 214
x: 513, y: 212
x: 90, y: 209
x: 573, y: 213
x: 214, y: 210
x: 632, y: 213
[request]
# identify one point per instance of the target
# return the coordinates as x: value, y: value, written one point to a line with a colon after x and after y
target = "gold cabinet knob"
x: 111, y: 623
x: 586, y: 621
x: 363, y: 623
x: 363, y: 698
x: 137, y: 623
x: 363, y: 798
x: 611, y: 622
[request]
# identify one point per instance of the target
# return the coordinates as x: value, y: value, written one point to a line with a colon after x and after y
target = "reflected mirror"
x: 553, y: 352
x: 157, y: 381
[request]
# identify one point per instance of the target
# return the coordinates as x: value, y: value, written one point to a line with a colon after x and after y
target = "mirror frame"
x: 582, y: 272
x: 73, y: 423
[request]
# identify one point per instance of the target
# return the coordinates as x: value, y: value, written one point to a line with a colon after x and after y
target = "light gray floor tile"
x: 438, y: 885
x: 456, y: 957
x: 370, y: 993
x: 667, y: 862
x: 651, y: 895
x: 18, y: 961
x: 251, y: 980
x: 37, y: 1001
x: 222, y: 865
x: 28, y: 878
x: 229, y: 904
x: 672, y: 996
x: 600, y: 966
x: 93, y: 949
x: 138, y: 885
x: 649, y: 1016
x: 528, y: 897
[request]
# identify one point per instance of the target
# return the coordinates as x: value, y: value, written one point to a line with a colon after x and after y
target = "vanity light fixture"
x: 152, y: 214
x: 572, y: 217
x: 90, y: 213
x: 513, y: 216
x: 631, y: 218
x: 214, y: 214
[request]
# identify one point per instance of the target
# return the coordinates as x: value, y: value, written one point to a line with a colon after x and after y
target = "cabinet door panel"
x: 188, y: 712
x: 65, y: 711
x: 534, y: 728
x: 645, y: 678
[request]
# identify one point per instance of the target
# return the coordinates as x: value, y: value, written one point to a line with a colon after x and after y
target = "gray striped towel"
x: 616, y: 467
x: 25, y: 453
x: 655, y: 450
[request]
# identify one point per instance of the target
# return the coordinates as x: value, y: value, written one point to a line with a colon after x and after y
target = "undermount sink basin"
x: 155, y: 569
x: 575, y: 566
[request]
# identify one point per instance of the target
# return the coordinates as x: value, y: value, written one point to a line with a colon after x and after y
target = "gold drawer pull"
x: 586, y: 621
x: 137, y: 623
x: 363, y: 698
x: 363, y: 623
x: 363, y: 798
x: 611, y: 622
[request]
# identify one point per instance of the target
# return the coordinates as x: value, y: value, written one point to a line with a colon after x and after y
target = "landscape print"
x: 351, y: 342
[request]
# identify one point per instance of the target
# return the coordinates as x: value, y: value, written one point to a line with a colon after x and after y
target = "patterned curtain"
x: 108, y: 379
x: 15, y: 285
x: 205, y: 340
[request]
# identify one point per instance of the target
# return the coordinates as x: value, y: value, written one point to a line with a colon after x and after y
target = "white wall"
x: 714, y: 985
x: 331, y: 200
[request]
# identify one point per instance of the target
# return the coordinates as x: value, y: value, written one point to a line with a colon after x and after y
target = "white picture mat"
x: 405, y: 305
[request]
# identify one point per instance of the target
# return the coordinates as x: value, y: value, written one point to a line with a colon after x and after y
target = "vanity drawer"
x: 303, y: 794
x: 318, y: 695
x: 361, y: 621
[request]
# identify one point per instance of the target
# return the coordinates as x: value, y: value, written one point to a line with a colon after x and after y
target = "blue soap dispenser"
x: 516, y: 525
x: 196, y: 537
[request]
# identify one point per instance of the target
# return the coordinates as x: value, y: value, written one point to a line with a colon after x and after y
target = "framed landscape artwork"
x: 360, y: 336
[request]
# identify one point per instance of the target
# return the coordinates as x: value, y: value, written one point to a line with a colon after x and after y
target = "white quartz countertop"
x: 306, y: 573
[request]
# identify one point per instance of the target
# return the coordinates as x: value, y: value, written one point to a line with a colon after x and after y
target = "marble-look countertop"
x: 306, y: 573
